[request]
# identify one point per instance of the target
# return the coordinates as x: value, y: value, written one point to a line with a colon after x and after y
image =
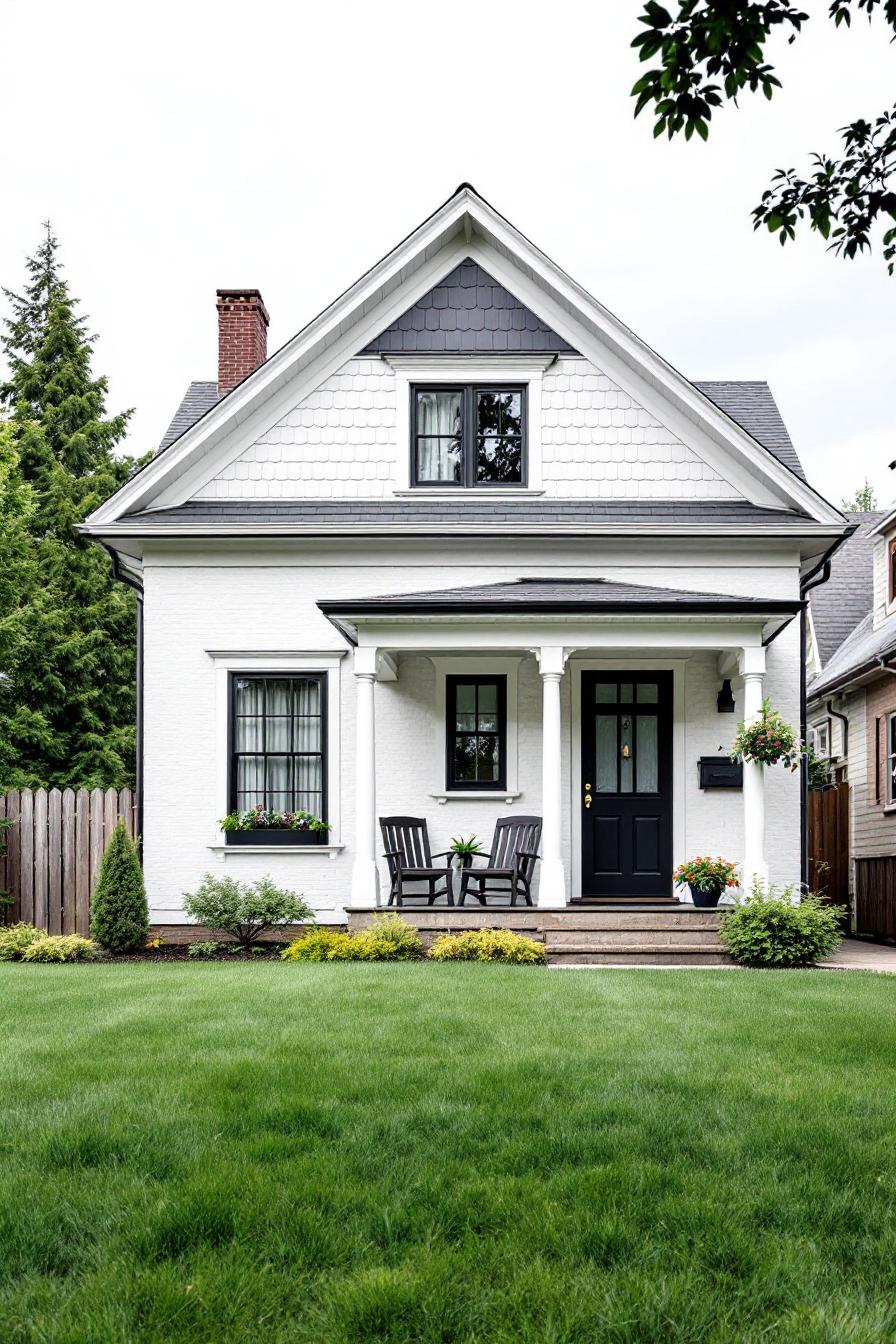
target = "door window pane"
x: 606, y: 750
x: 647, y: 693
x: 626, y: 761
x: 605, y: 693
x: 625, y: 693
x: 646, y: 757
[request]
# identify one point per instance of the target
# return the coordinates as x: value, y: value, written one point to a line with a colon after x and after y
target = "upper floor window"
x: 820, y: 739
x: 891, y: 571
x: 469, y: 435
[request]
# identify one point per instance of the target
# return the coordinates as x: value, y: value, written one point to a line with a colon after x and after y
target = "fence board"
x: 54, y: 861
x: 828, y: 822
x: 97, y: 839
x: 26, y: 855
x: 13, y: 850
x: 3, y: 887
x: 40, y: 860
x: 82, y: 862
x: 69, y: 863
x: 126, y: 810
x: 876, y: 897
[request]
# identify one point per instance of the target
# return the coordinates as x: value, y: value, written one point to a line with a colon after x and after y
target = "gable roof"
x: 841, y: 604
x: 862, y: 654
x: 198, y: 398
x: 468, y: 312
x: 464, y: 226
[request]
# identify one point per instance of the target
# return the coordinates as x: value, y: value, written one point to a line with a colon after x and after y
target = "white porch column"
x: 751, y: 664
x: 552, y: 880
x: 365, y: 875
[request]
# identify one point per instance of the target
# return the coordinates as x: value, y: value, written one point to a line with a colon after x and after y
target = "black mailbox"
x: 720, y: 772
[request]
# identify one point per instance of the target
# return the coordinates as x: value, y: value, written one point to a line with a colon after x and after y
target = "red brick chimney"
x: 242, y: 335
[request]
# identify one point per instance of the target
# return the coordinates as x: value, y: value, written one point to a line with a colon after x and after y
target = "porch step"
x: 653, y: 937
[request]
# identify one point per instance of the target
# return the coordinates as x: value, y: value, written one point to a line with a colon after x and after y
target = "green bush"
x: 245, y: 910
x: 16, y: 938
x: 488, y: 945
x: 318, y: 945
x: 64, y: 947
x: 202, y: 948
x: 389, y: 938
x: 768, y: 929
x: 119, y: 916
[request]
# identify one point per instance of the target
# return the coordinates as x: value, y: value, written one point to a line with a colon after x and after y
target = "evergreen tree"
x: 119, y: 916
x: 67, y: 706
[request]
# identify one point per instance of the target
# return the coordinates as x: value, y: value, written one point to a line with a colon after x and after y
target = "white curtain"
x: 439, y: 436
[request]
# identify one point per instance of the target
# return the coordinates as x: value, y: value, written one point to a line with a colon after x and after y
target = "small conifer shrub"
x: 119, y: 919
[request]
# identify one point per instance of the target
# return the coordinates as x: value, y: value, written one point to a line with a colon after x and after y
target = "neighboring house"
x: 465, y: 546
x: 851, y: 705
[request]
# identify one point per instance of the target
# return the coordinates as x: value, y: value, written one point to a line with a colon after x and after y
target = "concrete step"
x: 642, y: 937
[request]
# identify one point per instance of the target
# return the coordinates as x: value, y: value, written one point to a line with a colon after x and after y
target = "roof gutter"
x: 844, y: 725
x: 120, y: 574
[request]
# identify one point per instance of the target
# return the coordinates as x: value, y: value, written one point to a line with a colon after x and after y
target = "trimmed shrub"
x: 64, y: 947
x: 488, y: 945
x: 389, y: 938
x: 119, y: 916
x: 244, y: 910
x: 15, y: 939
x: 318, y: 945
x: 202, y: 948
x: 768, y: 929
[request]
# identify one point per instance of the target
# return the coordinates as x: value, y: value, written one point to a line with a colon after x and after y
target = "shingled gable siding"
x: 468, y: 313
x: 341, y: 442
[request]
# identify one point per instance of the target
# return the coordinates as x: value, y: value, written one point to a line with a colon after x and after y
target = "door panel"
x: 626, y: 794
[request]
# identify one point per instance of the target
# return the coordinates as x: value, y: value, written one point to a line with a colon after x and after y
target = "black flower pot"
x: 705, y: 898
x: 275, y: 836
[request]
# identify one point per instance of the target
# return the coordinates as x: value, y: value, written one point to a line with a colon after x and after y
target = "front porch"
x: 570, y: 639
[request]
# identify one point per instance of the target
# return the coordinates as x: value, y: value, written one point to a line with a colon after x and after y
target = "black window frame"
x: 470, y: 458
x: 233, y: 755
x: 452, y: 681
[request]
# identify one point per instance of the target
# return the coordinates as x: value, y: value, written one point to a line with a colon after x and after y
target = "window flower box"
x: 264, y: 826
x: 271, y: 836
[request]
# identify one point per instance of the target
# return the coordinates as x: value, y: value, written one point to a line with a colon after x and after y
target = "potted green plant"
x: 464, y: 850
x: 768, y: 741
x: 707, y: 879
x: 262, y: 825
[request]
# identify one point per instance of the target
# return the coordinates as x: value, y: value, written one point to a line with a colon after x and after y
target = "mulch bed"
x: 180, y: 952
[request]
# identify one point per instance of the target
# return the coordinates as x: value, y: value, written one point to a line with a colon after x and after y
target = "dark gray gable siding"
x: 468, y: 313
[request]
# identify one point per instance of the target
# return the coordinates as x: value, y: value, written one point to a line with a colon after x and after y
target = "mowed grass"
x: 445, y: 1153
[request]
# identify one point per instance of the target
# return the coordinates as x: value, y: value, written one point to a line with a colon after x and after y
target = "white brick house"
x: 465, y: 546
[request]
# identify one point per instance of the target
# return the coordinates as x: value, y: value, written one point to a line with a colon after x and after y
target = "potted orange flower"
x: 707, y: 879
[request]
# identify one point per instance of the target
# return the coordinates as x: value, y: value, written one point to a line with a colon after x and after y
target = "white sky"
x: 179, y: 147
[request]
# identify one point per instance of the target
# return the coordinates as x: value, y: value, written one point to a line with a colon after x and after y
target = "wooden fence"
x: 829, y: 842
x: 54, y: 852
x: 876, y: 897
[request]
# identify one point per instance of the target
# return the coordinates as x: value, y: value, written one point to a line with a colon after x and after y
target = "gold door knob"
x: 588, y: 800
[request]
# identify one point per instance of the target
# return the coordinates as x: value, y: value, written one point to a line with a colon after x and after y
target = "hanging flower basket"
x: 769, y: 740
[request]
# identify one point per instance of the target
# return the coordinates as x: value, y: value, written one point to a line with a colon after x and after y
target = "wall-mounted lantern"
x: 725, y: 700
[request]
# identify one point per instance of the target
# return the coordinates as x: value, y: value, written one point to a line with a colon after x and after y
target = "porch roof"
x: 553, y: 597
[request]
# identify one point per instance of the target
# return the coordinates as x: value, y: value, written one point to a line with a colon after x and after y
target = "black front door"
x: 626, y: 787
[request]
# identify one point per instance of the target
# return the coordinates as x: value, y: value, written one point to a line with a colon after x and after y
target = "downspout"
x: 844, y: 723
x: 823, y: 569
x: 119, y: 574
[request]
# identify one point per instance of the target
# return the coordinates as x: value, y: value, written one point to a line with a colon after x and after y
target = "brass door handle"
x: 588, y: 800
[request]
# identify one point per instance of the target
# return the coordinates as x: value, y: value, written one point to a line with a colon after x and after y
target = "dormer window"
x: 468, y: 435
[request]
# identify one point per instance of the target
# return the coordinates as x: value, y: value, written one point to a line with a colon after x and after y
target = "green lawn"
x: 445, y: 1153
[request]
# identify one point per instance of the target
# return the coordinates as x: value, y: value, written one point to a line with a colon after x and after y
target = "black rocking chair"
x: 511, y: 862
x: 408, y: 855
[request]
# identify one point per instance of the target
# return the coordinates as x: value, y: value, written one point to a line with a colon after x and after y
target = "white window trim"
x: 890, y: 759
x: 816, y: 731
x: 889, y: 601
x: 232, y: 661
x: 470, y: 369
x: 485, y: 667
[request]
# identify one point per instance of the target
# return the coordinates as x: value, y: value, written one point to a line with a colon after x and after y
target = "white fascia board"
x: 424, y: 635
